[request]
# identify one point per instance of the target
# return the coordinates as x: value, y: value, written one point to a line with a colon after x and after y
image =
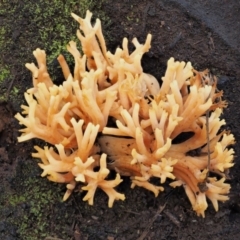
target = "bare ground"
x: 207, y: 34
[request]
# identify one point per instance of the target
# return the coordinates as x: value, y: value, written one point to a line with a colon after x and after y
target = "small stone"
x: 152, y: 11
x: 110, y: 238
x: 94, y: 217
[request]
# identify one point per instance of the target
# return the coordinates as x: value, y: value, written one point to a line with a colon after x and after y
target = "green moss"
x: 4, y: 73
x: 4, y: 69
x: 33, y: 206
x: 40, y: 24
x: 2, y: 34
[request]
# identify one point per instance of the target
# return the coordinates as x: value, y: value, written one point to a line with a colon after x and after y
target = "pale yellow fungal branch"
x: 97, y: 179
x: 146, y: 129
x: 217, y: 191
x: 46, y: 118
x: 163, y: 169
x: 176, y: 71
x: 80, y: 61
x: 40, y: 73
x: 60, y: 167
x: 141, y: 182
x: 50, y: 109
x: 78, y: 166
x: 168, y: 117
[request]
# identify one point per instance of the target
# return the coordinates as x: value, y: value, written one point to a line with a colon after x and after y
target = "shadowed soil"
x: 31, y: 207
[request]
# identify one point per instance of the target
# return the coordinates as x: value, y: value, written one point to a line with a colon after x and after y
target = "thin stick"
x: 74, y: 199
x: 145, y: 232
x: 208, y: 143
x: 128, y: 211
x: 207, y: 129
x: 9, y: 89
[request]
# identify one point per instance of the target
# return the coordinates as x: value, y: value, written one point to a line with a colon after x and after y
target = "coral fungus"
x: 151, y: 122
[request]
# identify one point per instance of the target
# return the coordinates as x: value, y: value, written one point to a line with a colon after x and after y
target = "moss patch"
x: 32, y: 210
x: 27, y: 25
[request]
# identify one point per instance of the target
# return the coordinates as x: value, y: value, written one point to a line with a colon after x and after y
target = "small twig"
x: 172, y: 218
x: 208, y: 143
x: 175, y: 40
x: 145, y: 232
x: 207, y: 132
x: 128, y: 211
x: 168, y: 195
x: 144, y: 18
x: 9, y: 89
x: 52, y: 238
x: 197, y: 42
x: 73, y: 224
x: 77, y: 206
x: 211, y: 42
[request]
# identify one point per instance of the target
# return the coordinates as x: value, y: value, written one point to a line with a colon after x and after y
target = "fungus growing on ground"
x: 149, y: 118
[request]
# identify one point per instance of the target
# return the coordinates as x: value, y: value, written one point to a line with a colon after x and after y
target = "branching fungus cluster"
x: 110, y: 115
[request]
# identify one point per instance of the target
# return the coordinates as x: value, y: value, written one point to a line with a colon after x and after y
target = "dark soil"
x: 207, y: 34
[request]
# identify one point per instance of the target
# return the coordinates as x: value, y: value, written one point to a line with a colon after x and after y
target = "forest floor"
x: 206, y: 33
